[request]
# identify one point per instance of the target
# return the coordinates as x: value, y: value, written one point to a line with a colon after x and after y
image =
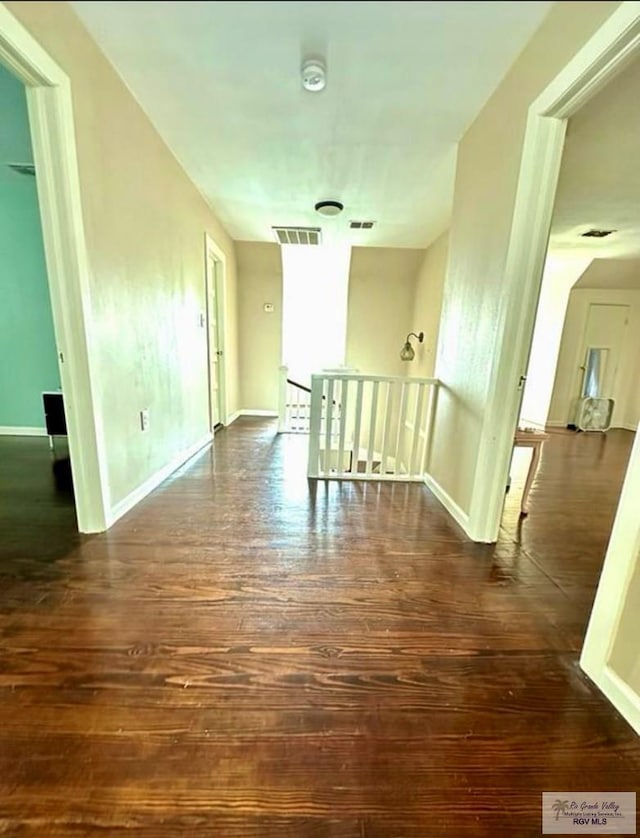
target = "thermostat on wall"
x: 268, y: 307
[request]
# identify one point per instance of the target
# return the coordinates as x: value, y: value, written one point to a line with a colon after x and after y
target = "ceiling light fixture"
x: 329, y: 208
x: 314, y: 75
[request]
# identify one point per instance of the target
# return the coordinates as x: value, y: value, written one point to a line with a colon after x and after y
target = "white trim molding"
x: 19, y: 430
x: 614, y: 45
x: 621, y: 563
x: 456, y: 512
x: 126, y: 504
x: 253, y: 412
x: 54, y: 150
x: 624, y: 426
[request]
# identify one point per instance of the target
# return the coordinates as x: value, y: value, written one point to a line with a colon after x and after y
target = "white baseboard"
x: 625, y: 426
x: 232, y: 418
x: 448, y: 502
x: 10, y: 430
x: 126, y: 504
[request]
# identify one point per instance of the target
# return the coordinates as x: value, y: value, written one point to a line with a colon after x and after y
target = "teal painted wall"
x: 28, y: 357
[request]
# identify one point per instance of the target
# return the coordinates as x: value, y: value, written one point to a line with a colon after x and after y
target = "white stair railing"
x: 294, y: 405
x: 370, y: 427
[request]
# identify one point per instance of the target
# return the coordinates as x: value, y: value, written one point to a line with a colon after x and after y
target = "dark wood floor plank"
x: 246, y: 654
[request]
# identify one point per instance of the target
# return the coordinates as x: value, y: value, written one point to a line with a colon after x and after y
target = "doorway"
x: 35, y: 478
x: 27, y: 340
x: 608, y: 51
x: 605, y: 55
x: 51, y: 120
x: 601, y: 352
x: 215, y: 296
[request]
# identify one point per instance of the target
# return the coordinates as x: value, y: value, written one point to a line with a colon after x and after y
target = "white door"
x: 214, y: 336
x: 604, y: 331
x: 611, y: 653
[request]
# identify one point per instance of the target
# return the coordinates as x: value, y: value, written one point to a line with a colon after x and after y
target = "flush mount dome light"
x: 329, y: 208
x: 314, y: 75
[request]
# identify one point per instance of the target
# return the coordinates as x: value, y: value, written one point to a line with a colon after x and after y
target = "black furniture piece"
x: 55, y: 419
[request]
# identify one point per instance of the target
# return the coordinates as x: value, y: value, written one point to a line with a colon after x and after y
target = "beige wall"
x: 145, y: 225
x: 382, y: 286
x: 427, y: 306
x: 260, y: 333
x: 486, y: 180
x: 383, y: 293
x: 568, y: 374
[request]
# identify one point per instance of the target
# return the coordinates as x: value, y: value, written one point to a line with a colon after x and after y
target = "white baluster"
x: 417, y: 416
x: 386, y: 428
x: 328, y: 427
x: 372, y: 426
x: 344, y: 402
x: 297, y: 408
x: 358, y: 426
x: 401, y: 431
x: 317, y: 386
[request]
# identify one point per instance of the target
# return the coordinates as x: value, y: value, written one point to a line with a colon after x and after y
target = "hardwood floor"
x: 248, y: 655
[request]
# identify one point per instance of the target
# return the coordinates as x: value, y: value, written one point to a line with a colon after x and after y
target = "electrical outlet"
x: 144, y: 419
x: 268, y: 307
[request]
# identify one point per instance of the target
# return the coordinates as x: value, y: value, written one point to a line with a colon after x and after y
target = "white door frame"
x: 220, y: 279
x: 620, y: 563
x: 54, y: 149
x: 615, y: 44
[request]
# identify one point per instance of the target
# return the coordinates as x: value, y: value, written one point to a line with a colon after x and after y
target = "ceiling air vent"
x: 298, y: 235
x: 597, y: 234
x: 361, y: 225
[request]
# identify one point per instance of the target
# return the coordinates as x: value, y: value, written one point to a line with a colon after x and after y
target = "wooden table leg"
x: 533, y: 468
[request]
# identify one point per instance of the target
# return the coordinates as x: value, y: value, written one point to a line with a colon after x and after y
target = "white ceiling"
x: 221, y: 82
x: 599, y: 186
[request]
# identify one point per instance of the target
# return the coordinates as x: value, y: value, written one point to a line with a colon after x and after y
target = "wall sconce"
x: 408, y: 353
